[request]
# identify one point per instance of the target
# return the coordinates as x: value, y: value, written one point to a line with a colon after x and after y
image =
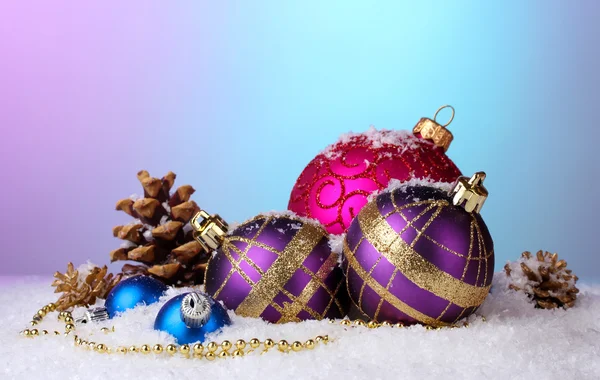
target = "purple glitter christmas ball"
x: 278, y: 268
x: 411, y: 256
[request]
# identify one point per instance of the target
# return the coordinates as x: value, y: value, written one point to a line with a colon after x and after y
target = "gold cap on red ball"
x: 435, y: 132
x: 470, y: 193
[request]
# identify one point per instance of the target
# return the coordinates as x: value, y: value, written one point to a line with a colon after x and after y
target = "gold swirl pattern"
x: 334, y: 187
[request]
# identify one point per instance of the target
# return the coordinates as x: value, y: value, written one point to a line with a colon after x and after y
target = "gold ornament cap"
x: 470, y: 193
x: 209, y: 230
x: 433, y: 131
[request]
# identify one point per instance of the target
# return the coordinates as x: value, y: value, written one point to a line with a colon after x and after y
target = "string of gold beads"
x: 375, y: 325
x: 37, y: 319
x: 211, y: 351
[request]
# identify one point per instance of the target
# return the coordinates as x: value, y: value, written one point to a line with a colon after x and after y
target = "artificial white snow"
x: 148, y: 235
x: 232, y: 226
x: 126, y: 244
x: 163, y: 220
x: 187, y: 228
x: 291, y: 215
x: 376, y: 139
x: 396, y: 184
x: 134, y: 197
x: 85, y: 269
x: 517, y: 342
x: 336, y: 243
x: 295, y: 222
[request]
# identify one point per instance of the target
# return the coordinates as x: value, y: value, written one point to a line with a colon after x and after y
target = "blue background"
x: 238, y: 97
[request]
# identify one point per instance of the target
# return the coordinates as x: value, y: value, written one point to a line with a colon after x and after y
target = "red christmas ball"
x: 335, y: 185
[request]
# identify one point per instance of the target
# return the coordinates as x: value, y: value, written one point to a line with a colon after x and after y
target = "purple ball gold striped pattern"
x: 411, y: 256
x: 280, y: 269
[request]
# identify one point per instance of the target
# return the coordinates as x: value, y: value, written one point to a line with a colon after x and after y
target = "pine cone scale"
x: 118, y: 254
x: 168, y: 181
x: 152, y: 187
x: 146, y: 207
x: 181, y: 195
x: 165, y: 271
x: 132, y: 270
x: 184, y: 211
x: 129, y: 232
x: 125, y: 205
x: 144, y: 254
x: 187, y: 252
x: 167, y: 231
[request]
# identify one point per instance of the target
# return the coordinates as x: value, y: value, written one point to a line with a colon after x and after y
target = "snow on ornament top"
x: 335, y: 185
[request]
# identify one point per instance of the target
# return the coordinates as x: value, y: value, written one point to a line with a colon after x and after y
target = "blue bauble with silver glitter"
x: 132, y: 292
x: 189, y: 317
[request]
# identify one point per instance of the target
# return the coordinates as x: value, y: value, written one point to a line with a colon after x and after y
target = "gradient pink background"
x: 237, y: 97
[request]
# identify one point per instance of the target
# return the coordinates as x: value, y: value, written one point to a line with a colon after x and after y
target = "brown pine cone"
x: 544, y: 278
x: 82, y: 289
x: 160, y: 238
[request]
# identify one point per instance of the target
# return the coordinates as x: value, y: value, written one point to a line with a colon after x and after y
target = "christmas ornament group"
x: 416, y: 252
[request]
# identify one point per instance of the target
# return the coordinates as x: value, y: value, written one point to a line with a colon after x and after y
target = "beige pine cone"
x: 544, y: 278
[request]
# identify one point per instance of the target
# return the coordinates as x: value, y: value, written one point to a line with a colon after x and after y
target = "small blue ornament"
x: 132, y: 292
x: 127, y: 294
x: 189, y: 317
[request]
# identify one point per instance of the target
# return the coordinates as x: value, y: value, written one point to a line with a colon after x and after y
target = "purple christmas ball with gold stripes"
x: 280, y: 269
x: 411, y: 256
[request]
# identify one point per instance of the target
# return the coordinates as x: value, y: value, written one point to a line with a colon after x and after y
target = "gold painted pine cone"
x: 544, y: 278
x: 83, y: 291
x: 158, y: 239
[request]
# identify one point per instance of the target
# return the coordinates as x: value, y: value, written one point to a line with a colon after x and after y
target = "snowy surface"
x: 516, y: 342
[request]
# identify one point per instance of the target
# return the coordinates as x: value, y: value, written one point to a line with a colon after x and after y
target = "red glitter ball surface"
x: 335, y: 185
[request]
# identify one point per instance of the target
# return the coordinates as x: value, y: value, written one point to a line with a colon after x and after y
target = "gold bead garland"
x: 212, y: 350
x: 376, y: 325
